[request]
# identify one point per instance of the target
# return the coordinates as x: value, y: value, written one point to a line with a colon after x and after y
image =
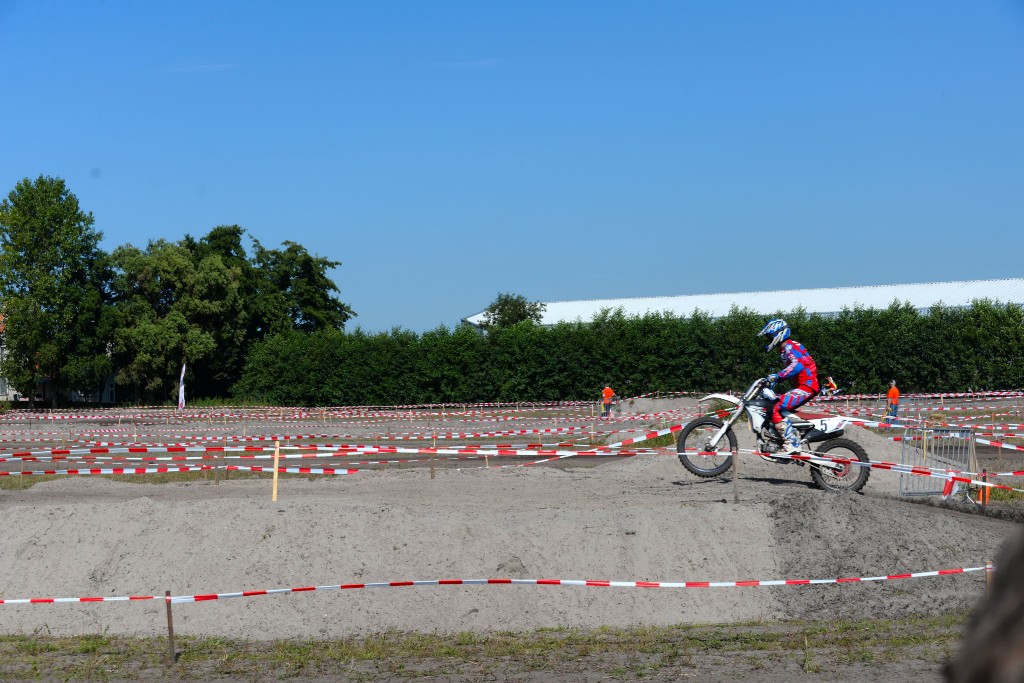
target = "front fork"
x: 713, y: 443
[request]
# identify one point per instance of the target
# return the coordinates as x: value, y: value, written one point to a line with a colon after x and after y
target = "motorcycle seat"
x: 797, y: 420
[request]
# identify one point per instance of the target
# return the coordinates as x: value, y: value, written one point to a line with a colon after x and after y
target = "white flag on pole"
x: 181, y: 389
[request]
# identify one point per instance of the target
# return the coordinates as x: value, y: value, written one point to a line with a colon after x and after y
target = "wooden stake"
x: 988, y: 576
x: 277, y: 456
x: 735, y: 476
x: 171, y: 654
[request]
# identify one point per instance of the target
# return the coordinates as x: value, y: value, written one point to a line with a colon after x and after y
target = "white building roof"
x: 822, y: 301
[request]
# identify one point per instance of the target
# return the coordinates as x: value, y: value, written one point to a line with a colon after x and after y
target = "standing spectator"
x: 991, y: 647
x: 607, y: 394
x: 893, y: 399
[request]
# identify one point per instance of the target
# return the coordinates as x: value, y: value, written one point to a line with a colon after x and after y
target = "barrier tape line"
x: 587, y: 583
x: 553, y: 455
x: 823, y: 458
x: 948, y: 475
x: 64, y: 453
x: 1000, y: 444
x: 185, y: 468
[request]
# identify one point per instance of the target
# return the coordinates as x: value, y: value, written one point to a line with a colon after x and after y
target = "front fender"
x: 722, y: 397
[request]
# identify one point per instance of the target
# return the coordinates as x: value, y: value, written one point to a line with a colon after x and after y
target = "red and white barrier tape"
x: 588, y: 583
x: 291, y: 470
x: 949, y: 475
x: 109, y: 470
x: 324, y: 451
x: 1000, y: 444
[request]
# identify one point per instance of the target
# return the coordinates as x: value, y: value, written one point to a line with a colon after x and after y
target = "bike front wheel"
x: 697, y: 455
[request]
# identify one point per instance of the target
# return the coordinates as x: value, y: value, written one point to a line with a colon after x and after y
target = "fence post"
x: 172, y: 656
x: 924, y: 447
x: 735, y: 476
x: 277, y: 456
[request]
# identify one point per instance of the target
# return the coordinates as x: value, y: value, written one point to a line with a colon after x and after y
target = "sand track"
x: 639, y: 519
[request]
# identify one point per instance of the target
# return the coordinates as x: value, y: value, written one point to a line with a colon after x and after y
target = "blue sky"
x: 448, y: 151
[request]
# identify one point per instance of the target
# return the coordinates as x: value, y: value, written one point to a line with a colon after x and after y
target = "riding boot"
x: 789, y: 436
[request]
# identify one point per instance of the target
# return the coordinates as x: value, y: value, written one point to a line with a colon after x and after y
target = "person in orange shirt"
x: 893, y: 398
x: 606, y: 401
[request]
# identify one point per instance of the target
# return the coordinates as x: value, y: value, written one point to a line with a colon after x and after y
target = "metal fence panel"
x: 945, y: 449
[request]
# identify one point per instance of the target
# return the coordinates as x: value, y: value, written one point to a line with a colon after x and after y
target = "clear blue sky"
x: 449, y: 151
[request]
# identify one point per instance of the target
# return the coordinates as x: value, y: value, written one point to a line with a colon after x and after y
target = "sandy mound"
x: 640, y: 519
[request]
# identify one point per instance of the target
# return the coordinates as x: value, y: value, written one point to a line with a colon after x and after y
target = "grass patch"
x: 658, y: 442
x: 615, y: 652
x: 19, y: 483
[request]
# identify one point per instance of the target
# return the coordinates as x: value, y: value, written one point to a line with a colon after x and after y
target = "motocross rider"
x: 801, y: 367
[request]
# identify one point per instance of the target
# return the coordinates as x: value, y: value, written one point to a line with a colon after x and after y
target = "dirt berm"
x: 643, y: 518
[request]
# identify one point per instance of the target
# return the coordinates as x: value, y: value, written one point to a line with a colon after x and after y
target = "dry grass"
x: 815, y: 646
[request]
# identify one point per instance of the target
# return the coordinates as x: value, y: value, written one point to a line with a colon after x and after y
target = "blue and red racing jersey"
x: 800, y: 365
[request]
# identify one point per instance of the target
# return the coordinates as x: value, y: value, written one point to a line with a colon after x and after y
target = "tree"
x: 511, y: 309
x: 207, y: 302
x: 239, y: 321
x: 164, y: 305
x: 298, y: 282
x: 53, y: 285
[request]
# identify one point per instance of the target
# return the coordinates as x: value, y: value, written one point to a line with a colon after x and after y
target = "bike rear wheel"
x: 697, y: 456
x: 849, y: 477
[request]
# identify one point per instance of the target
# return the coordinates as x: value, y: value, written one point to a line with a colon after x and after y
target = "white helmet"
x: 775, y: 332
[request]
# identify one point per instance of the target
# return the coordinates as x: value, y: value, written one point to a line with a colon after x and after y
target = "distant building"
x: 824, y: 301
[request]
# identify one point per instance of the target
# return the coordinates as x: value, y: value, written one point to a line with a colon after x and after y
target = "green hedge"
x: 945, y: 349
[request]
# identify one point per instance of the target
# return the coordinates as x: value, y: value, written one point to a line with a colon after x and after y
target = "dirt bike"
x: 706, y: 445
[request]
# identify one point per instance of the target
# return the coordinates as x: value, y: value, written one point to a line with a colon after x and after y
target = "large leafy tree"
x: 295, y: 284
x: 164, y: 302
x: 53, y: 285
x: 236, y: 323
x: 205, y: 302
x: 511, y: 309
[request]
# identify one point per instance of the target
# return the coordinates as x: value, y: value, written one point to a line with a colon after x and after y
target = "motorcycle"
x: 706, y: 445
x: 829, y: 388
